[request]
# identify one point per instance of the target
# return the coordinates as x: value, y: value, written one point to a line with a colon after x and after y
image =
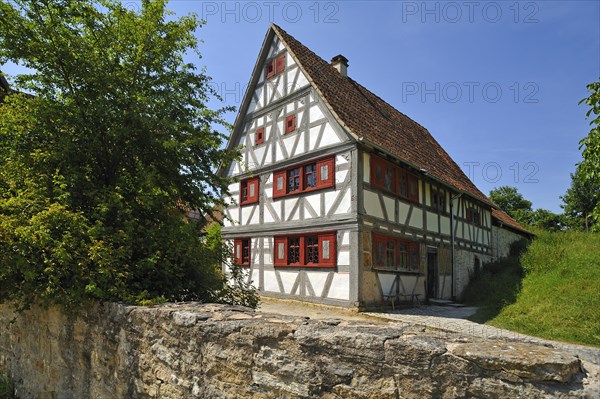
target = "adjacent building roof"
x: 507, y: 221
x: 372, y: 120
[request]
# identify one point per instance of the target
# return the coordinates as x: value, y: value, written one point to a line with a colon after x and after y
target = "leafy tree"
x: 546, y: 220
x: 512, y: 202
x: 591, y: 143
x: 580, y: 200
x: 100, y: 163
x: 590, y: 167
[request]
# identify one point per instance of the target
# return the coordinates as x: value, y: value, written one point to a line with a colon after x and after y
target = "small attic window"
x: 259, y: 136
x: 290, y: 123
x: 275, y: 66
x: 270, y: 69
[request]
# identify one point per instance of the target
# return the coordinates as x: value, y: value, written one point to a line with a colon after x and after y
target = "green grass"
x: 7, y: 389
x: 558, y: 295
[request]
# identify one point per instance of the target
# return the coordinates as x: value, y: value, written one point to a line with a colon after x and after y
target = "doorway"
x: 432, y: 275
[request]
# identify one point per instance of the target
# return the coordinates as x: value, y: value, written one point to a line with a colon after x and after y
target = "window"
x: 402, y: 184
x: 241, y: 251
x: 438, y: 199
x: 259, y: 136
x: 275, y: 66
x: 294, y: 251
x: 290, y: 123
x: 392, y: 253
x: 293, y: 180
x: 270, y: 69
x: 413, y: 188
x: 393, y: 179
x: 310, y: 250
x: 315, y: 175
x: 389, y: 178
x: 473, y: 216
x: 249, y: 191
x: 310, y: 175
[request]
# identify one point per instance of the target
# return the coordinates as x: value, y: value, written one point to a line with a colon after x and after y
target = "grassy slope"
x: 559, y: 297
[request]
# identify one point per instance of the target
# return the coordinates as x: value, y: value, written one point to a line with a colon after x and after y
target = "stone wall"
x: 214, y: 351
x: 465, y: 267
x: 501, y: 240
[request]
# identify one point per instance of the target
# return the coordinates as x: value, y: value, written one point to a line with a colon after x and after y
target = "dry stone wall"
x: 214, y: 351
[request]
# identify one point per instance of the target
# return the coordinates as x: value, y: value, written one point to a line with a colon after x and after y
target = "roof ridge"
x: 390, y: 130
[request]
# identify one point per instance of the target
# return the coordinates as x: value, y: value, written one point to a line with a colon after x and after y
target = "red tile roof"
x: 371, y: 119
x: 507, y: 220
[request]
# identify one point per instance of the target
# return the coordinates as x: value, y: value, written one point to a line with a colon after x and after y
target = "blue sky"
x: 497, y: 83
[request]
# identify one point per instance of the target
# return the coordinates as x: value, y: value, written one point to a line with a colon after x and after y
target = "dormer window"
x: 275, y: 66
x: 259, y: 136
x: 290, y: 123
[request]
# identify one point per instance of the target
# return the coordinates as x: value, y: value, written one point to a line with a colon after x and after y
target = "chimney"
x: 340, y: 63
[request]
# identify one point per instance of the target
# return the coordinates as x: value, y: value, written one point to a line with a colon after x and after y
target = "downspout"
x: 452, y: 240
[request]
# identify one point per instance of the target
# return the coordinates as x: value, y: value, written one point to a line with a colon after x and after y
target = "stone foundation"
x: 214, y: 351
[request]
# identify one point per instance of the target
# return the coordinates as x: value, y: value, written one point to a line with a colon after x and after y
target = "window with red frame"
x: 392, y: 253
x: 393, y: 179
x: 259, y: 136
x: 249, y: 191
x: 308, y: 250
x: 290, y: 123
x: 315, y: 175
x: 241, y: 251
x: 275, y: 66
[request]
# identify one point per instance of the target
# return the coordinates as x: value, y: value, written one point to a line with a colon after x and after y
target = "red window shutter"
x: 253, y: 186
x: 326, y: 173
x: 327, y: 249
x: 377, y: 172
x: 280, y: 64
x: 270, y: 68
x: 243, y: 192
x: 290, y: 123
x: 237, y: 252
x: 280, y: 252
x: 279, y: 183
x: 373, y: 164
x: 259, y: 136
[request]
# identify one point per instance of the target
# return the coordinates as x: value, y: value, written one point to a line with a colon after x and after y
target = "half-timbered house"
x: 341, y: 198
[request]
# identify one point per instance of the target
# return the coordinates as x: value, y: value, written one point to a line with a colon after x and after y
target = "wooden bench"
x: 408, y: 298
